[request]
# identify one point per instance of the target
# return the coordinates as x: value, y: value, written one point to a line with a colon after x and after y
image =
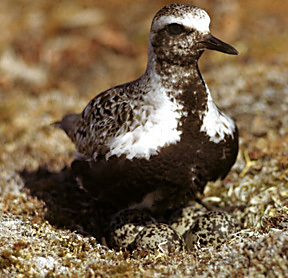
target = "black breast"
x: 177, y: 173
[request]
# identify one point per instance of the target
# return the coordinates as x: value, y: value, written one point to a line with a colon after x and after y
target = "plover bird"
x: 155, y: 142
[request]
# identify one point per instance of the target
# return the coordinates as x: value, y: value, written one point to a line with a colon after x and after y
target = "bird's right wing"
x: 102, y: 118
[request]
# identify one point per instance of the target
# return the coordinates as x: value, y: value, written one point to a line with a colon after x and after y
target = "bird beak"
x: 212, y: 43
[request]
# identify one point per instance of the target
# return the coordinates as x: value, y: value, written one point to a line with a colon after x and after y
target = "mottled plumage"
x: 156, y: 141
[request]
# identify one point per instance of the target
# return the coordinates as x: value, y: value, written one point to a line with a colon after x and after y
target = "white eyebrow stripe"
x: 200, y: 23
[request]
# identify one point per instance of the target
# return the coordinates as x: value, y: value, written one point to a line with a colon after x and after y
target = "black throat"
x: 185, y: 84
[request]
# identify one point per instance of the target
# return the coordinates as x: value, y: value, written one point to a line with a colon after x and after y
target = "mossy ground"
x: 55, y: 56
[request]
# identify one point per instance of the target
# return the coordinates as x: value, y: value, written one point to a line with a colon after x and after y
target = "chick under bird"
x: 155, y: 142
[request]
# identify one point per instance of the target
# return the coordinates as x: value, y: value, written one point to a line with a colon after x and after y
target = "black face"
x: 181, y: 45
x: 174, y: 44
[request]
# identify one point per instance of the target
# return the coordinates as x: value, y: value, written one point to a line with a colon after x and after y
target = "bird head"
x: 180, y: 33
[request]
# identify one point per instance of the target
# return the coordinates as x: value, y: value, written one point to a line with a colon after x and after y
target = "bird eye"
x: 175, y: 29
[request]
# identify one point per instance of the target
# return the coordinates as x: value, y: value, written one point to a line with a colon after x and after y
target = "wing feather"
x: 101, y: 119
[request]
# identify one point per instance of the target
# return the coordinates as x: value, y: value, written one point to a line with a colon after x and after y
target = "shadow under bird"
x: 155, y: 142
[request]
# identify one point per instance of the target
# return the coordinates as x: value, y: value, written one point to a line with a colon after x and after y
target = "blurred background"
x: 56, y: 55
x: 85, y: 46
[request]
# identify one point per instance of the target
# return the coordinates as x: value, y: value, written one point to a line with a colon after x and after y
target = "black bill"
x: 212, y: 43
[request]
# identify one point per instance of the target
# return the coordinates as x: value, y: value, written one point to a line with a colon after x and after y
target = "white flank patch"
x: 216, y: 124
x: 199, y: 21
x: 147, y: 203
x: 154, y: 126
